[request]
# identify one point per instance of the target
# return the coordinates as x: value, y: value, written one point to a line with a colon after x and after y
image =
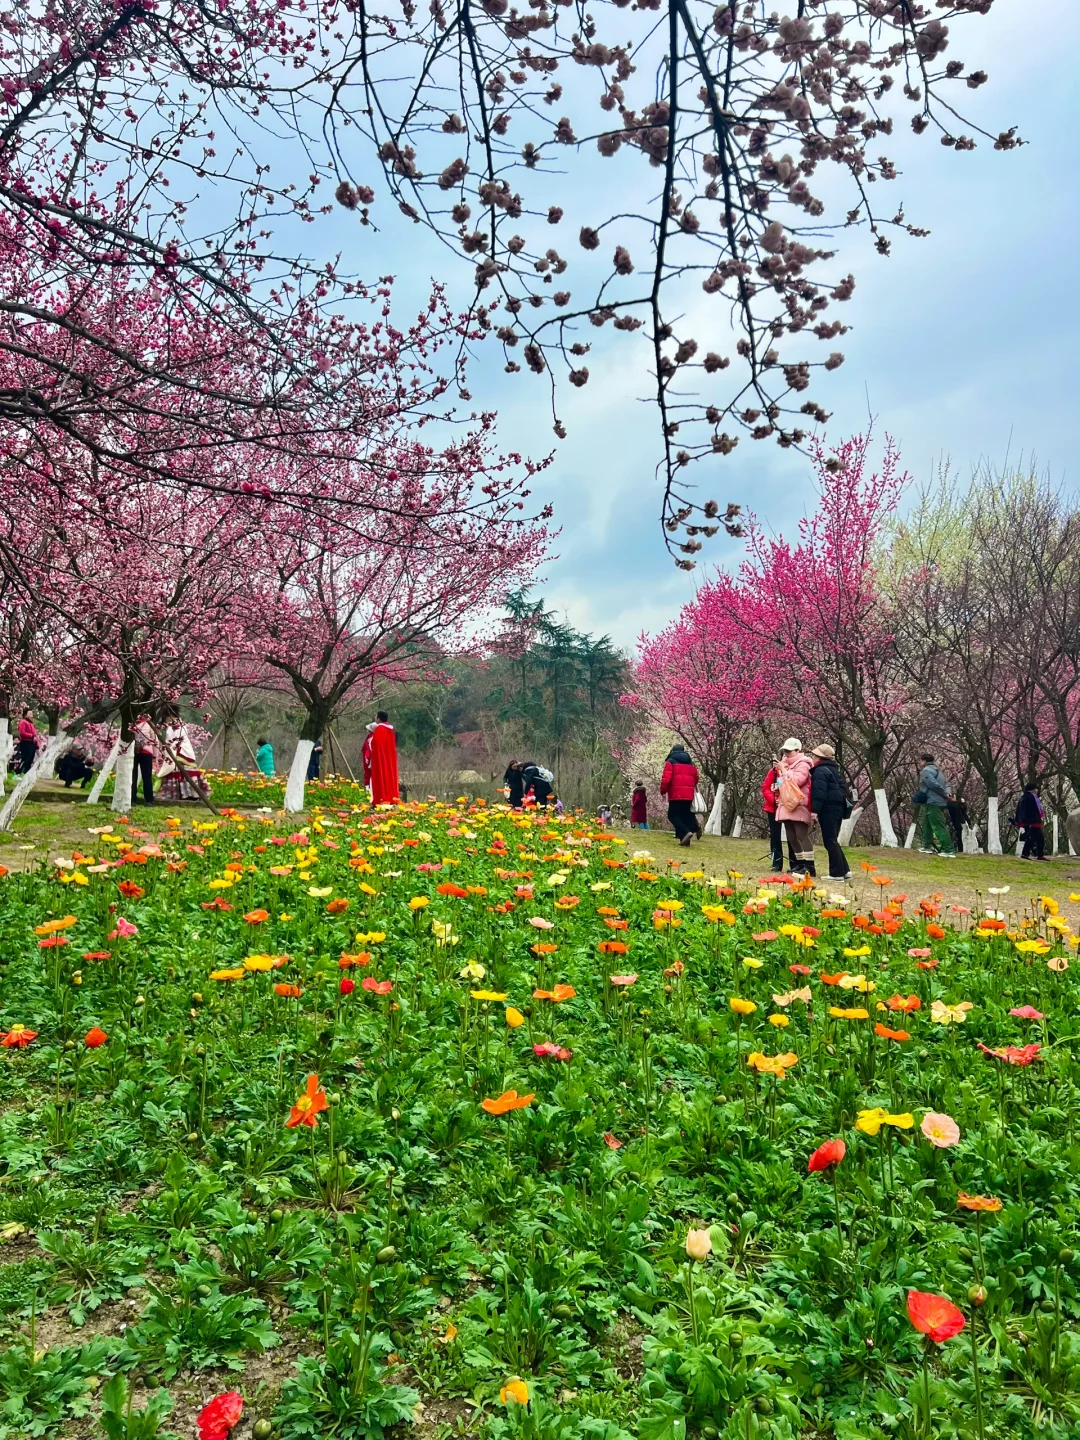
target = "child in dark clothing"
x: 639, y: 807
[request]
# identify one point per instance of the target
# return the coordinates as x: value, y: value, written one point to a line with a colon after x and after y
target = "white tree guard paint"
x: 888, y: 834
x: 993, y: 826
x: 909, y: 838
x: 125, y: 768
x: 712, y: 824
x: 1072, y: 829
x: 7, y: 745
x: 294, y: 786
x: 103, y: 774
x: 44, y: 761
x: 1057, y: 835
x: 847, y: 827
x: 971, y: 840
x: 736, y: 829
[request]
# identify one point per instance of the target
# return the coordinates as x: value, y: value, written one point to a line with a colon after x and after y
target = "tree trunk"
x: 44, y: 760
x: 909, y: 839
x: 103, y: 774
x: 888, y: 834
x: 7, y: 745
x: 716, y: 814
x: 993, y: 826
x: 1072, y: 829
x: 294, y: 786
x: 1057, y: 836
x: 736, y: 828
x: 125, y: 764
x: 971, y: 840
x: 847, y: 828
x: 226, y: 737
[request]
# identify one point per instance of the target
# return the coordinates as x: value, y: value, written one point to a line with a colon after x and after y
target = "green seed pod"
x: 563, y: 1312
x: 763, y: 1405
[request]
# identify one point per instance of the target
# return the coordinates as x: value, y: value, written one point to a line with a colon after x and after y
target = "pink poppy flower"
x: 539, y: 923
x: 919, y: 954
x: 1027, y: 1012
x: 940, y: 1130
x: 624, y: 980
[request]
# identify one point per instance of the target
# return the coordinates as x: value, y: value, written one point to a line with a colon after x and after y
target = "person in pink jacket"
x: 793, y: 804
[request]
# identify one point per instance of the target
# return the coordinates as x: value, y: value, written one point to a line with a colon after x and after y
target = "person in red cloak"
x: 380, y: 761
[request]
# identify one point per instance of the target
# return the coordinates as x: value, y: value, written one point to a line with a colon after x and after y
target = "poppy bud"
x: 386, y: 1255
x: 262, y: 1429
x: 193, y: 1137
x: 69, y: 1044
x: 735, y: 1340
x: 1066, y: 1257
x: 203, y: 1291
x: 277, y: 1215
x: 347, y: 986
x: 977, y: 1295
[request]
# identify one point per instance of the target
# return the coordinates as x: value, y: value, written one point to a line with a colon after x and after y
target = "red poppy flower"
x: 216, y: 904
x: 129, y: 889
x: 550, y: 1051
x: 1013, y: 1054
x: 94, y: 1037
x: 347, y: 986
x: 612, y: 1141
x: 449, y: 888
x: 933, y: 1315
x: 216, y: 1419
x: 52, y: 942
x: 96, y: 954
x: 378, y: 987
x: 798, y: 969
x: 307, y: 1108
x: 827, y: 1155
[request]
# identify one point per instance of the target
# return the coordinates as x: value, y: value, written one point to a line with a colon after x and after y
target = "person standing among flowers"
x: 379, y: 755
x: 828, y: 801
x: 1030, y: 815
x: 639, y: 807
x: 144, y: 761
x: 264, y: 757
x: 934, y: 795
x: 514, y: 780
x: 793, y: 804
x: 769, y: 788
x: 679, y: 784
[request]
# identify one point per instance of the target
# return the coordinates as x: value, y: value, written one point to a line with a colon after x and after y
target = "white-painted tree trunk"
x: 909, y: 838
x: 7, y: 745
x: 44, y: 761
x: 125, y: 769
x: 1057, y: 836
x: 1072, y: 830
x: 736, y: 829
x: 712, y: 824
x: 847, y: 827
x: 888, y: 834
x: 294, y: 786
x: 993, y: 826
x: 971, y: 840
x: 103, y: 774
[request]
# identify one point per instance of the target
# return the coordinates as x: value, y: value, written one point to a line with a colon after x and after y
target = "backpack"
x: 545, y: 775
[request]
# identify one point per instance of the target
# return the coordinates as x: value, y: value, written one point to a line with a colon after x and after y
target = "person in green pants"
x: 935, y: 833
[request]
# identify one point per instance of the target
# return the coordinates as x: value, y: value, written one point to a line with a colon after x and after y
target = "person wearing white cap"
x: 793, y: 804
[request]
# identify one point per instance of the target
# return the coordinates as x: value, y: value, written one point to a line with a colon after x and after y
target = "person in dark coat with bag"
x: 514, y: 780
x: 1029, y: 818
x: 829, y: 801
x: 679, y: 784
x: 639, y: 807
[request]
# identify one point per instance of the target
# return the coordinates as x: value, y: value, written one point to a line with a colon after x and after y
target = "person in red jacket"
x: 679, y: 784
x: 776, y: 831
x: 639, y: 807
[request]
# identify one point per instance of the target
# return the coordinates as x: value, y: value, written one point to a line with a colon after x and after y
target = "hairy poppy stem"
x: 975, y: 1375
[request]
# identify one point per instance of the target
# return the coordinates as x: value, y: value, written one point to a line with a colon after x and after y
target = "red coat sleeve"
x: 665, y: 781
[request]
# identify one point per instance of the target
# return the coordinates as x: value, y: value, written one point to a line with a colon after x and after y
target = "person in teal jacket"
x: 264, y: 758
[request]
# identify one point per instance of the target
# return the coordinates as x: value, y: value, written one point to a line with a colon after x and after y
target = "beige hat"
x: 791, y: 744
x: 824, y: 752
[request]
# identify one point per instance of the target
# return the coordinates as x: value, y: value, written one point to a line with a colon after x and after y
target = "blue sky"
x: 963, y: 345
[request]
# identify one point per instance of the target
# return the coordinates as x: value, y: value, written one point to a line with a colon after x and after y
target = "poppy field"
x: 447, y: 1121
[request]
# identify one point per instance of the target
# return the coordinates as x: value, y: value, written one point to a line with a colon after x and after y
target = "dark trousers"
x: 27, y: 751
x: 681, y: 814
x: 144, y: 766
x: 830, y: 822
x: 776, y: 843
x: 1034, y: 843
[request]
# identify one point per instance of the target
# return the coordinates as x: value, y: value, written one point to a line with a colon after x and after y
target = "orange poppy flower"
x: 94, y: 1037
x: 288, y: 992
x: 308, y: 1106
x: 935, y: 1316
x: 936, y: 932
x: 832, y: 979
x: 130, y: 890
x: 256, y: 917
x: 617, y: 924
x: 887, y: 1034
x: 860, y: 922
x: 829, y: 915
x: 556, y: 995
x: 614, y: 864
x: 507, y: 1101
x: 449, y: 888
x: 606, y: 910
x: 613, y: 947
x: 983, y: 1203
x: 985, y: 923
x: 905, y: 1002
x: 337, y: 907
x: 543, y: 947
x: 567, y: 902
x: 18, y: 1037
x: 881, y: 879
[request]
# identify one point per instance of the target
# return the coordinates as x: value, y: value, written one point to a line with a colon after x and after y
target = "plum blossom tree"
x: 820, y: 602
x: 709, y: 677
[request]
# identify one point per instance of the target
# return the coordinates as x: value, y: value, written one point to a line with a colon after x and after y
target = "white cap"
x: 791, y: 744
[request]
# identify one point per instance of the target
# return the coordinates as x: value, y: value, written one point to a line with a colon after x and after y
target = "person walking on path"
x: 639, y: 807
x: 264, y: 757
x: 380, y: 761
x: 934, y: 795
x: 27, y: 746
x: 793, y: 804
x: 514, y: 780
x: 1029, y: 817
x: 144, y: 761
x: 828, y: 801
x: 769, y: 788
x: 679, y: 784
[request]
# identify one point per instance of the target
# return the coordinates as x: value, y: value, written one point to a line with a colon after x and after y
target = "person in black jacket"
x: 1029, y: 818
x: 828, y: 801
x: 536, y: 784
x: 514, y: 780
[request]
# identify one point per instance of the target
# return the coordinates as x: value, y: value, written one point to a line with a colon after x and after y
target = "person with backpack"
x: 829, y: 802
x: 1029, y: 818
x: 679, y: 783
x: 769, y: 788
x: 934, y: 795
x: 538, y: 783
x: 793, y: 804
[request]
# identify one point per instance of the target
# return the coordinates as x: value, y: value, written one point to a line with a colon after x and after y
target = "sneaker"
x: 948, y: 854
x: 926, y: 852
x: 686, y: 839
x: 840, y: 877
